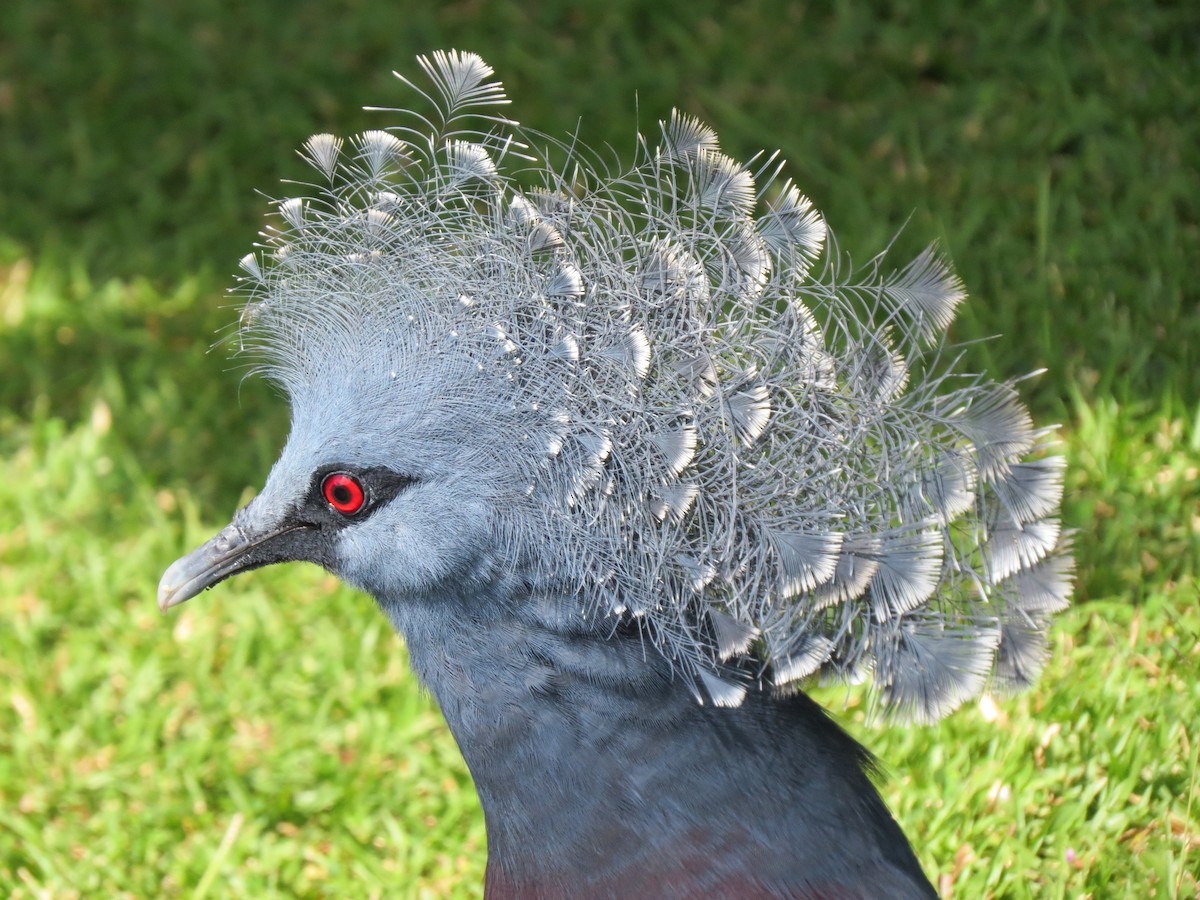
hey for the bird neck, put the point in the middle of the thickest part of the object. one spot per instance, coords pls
(600, 774)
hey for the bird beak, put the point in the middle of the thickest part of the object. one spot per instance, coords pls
(231, 550)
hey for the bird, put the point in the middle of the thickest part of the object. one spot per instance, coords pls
(630, 455)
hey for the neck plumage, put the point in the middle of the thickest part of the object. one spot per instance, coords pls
(601, 775)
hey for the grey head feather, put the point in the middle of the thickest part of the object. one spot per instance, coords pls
(657, 405)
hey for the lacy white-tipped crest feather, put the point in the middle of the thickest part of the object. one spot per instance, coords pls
(775, 474)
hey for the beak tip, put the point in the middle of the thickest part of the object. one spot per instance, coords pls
(166, 596)
(176, 585)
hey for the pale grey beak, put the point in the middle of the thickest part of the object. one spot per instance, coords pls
(231, 550)
(212, 561)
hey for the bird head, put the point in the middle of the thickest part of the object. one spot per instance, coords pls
(378, 482)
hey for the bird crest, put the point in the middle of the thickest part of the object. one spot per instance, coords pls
(689, 417)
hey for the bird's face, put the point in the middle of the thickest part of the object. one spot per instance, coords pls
(398, 529)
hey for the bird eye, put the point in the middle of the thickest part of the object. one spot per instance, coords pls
(344, 493)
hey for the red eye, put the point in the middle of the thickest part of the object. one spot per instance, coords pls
(344, 493)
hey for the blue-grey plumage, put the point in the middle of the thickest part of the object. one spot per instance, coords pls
(623, 459)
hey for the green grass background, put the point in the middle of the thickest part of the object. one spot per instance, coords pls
(267, 739)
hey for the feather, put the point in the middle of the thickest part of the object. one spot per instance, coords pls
(321, 151)
(686, 136)
(674, 500)
(804, 560)
(927, 290)
(856, 566)
(1042, 588)
(928, 669)
(468, 161)
(733, 636)
(792, 222)
(751, 410)
(721, 691)
(677, 446)
(1031, 490)
(380, 151)
(292, 211)
(567, 281)
(1012, 548)
(723, 184)
(910, 567)
(947, 488)
(632, 351)
(1020, 656)
(460, 80)
(806, 655)
(999, 426)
